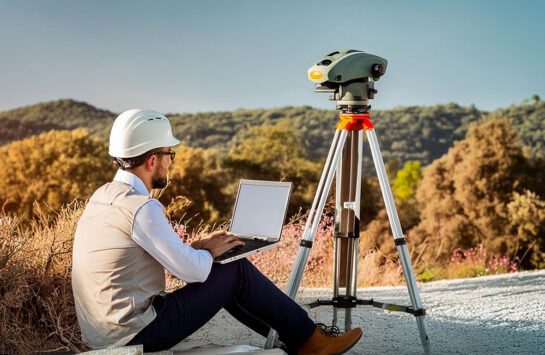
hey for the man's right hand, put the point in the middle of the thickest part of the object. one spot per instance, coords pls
(219, 242)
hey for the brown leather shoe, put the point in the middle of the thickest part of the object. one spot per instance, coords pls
(322, 344)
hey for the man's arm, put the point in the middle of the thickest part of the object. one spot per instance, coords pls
(154, 234)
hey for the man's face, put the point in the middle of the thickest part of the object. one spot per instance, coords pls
(159, 179)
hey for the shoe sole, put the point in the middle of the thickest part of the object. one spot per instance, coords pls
(351, 346)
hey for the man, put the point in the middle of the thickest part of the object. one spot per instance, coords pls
(124, 242)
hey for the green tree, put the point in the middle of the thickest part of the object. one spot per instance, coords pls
(276, 152)
(407, 180)
(52, 168)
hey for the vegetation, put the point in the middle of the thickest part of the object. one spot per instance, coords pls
(464, 196)
(52, 168)
(55, 115)
(36, 302)
(407, 180)
(405, 134)
(275, 153)
(196, 191)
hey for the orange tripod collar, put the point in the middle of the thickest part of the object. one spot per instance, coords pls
(354, 122)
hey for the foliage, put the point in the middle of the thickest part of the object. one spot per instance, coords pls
(195, 192)
(527, 218)
(378, 233)
(529, 122)
(275, 153)
(405, 133)
(65, 114)
(464, 195)
(53, 168)
(407, 180)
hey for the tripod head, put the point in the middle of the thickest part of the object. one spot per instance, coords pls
(349, 75)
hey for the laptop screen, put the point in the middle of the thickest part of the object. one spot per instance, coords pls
(261, 208)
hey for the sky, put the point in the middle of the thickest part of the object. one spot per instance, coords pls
(194, 56)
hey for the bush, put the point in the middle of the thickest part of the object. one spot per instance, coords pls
(277, 263)
(52, 169)
(464, 195)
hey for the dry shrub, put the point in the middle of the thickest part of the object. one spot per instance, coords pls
(276, 263)
(374, 268)
(464, 195)
(36, 301)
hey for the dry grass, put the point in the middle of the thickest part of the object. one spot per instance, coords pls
(36, 303)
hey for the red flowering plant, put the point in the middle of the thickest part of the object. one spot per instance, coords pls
(477, 262)
(277, 263)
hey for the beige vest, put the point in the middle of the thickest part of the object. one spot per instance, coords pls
(113, 278)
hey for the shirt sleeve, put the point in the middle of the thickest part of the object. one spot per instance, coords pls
(154, 234)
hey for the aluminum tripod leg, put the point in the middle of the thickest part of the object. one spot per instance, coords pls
(398, 237)
(313, 220)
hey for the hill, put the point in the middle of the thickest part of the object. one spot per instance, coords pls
(65, 114)
(405, 133)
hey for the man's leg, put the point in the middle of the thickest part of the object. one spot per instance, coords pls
(189, 308)
(248, 319)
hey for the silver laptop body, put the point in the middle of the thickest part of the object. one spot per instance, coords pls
(258, 217)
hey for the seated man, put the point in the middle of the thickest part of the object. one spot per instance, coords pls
(124, 242)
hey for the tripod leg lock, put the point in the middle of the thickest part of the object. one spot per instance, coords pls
(400, 241)
(306, 243)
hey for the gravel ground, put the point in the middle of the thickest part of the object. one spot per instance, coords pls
(485, 315)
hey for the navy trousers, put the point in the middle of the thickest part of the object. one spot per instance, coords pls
(239, 288)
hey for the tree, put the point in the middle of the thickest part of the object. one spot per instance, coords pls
(52, 168)
(407, 180)
(464, 195)
(276, 152)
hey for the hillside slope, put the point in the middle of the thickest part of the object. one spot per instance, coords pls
(405, 133)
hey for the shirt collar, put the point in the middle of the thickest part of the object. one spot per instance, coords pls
(133, 180)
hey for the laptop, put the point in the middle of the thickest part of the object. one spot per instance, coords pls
(258, 217)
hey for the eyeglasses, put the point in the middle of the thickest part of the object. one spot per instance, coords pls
(171, 153)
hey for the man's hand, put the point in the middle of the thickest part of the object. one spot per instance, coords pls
(217, 243)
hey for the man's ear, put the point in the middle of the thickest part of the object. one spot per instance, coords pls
(150, 162)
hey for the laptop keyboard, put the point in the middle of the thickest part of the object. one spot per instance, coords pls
(250, 245)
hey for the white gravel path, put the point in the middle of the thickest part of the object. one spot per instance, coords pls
(501, 314)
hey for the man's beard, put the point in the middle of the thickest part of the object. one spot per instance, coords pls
(158, 181)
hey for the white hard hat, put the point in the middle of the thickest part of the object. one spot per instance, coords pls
(137, 131)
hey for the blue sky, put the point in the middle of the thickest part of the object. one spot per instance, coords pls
(189, 56)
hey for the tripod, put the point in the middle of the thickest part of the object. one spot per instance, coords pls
(345, 160)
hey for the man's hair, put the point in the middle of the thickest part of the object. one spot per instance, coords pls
(134, 162)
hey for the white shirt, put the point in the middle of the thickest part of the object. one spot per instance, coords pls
(152, 231)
